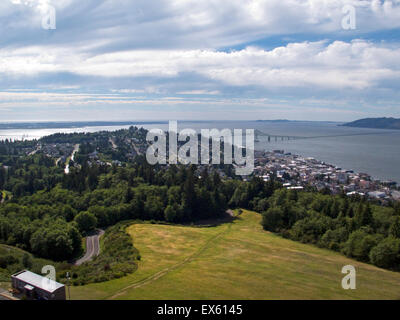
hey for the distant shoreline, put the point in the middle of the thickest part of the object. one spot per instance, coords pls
(70, 125)
(79, 124)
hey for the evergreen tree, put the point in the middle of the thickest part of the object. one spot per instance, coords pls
(394, 229)
(363, 215)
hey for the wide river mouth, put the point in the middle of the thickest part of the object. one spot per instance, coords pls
(372, 151)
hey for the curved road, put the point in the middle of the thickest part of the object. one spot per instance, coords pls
(76, 149)
(92, 247)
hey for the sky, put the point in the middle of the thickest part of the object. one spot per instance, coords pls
(74, 60)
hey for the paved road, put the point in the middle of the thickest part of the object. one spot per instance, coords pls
(5, 296)
(92, 247)
(136, 148)
(76, 149)
(2, 291)
(230, 212)
(112, 141)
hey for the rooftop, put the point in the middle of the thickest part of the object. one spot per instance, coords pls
(38, 281)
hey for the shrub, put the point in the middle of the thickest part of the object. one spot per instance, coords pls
(7, 260)
(360, 244)
(27, 261)
(333, 239)
(272, 219)
(386, 254)
(86, 221)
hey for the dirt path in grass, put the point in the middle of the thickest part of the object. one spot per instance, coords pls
(210, 242)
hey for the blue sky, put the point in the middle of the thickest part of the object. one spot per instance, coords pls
(199, 60)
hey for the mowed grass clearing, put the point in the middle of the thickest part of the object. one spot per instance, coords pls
(237, 260)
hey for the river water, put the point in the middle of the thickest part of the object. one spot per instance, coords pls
(373, 151)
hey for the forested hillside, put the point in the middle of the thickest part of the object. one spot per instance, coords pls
(353, 226)
(47, 210)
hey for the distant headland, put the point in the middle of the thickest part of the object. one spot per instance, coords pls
(376, 123)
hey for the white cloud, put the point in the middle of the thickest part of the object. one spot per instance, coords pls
(338, 65)
(199, 92)
(161, 48)
(146, 90)
(162, 24)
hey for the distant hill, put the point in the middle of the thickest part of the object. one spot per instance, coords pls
(71, 125)
(277, 120)
(377, 123)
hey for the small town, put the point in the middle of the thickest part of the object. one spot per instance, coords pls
(294, 171)
(298, 172)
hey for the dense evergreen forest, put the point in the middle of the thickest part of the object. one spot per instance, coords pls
(353, 226)
(46, 211)
(113, 194)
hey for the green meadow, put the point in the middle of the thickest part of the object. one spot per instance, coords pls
(237, 260)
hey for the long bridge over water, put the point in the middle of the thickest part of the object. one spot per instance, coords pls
(272, 137)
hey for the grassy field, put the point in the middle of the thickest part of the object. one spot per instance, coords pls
(237, 260)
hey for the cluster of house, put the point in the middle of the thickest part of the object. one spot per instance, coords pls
(297, 172)
(138, 147)
(60, 151)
